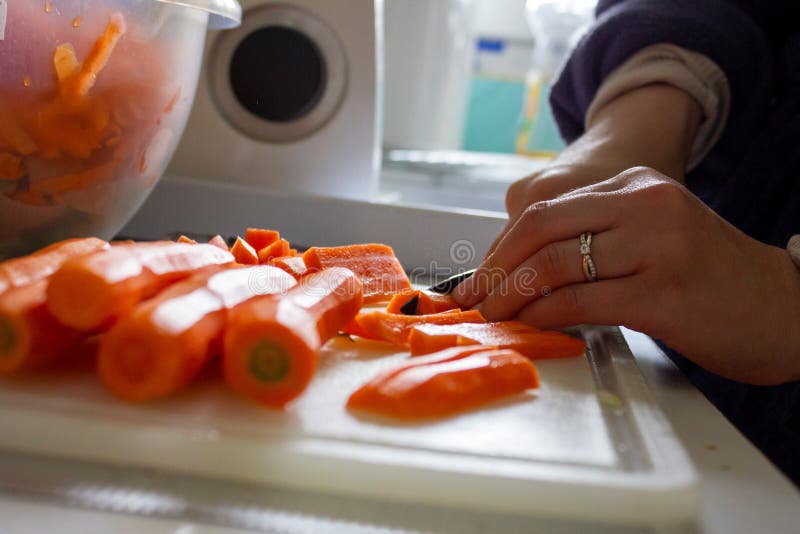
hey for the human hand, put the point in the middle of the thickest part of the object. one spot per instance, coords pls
(668, 266)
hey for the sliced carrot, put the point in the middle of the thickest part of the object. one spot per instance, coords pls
(277, 249)
(293, 265)
(427, 302)
(376, 265)
(26, 270)
(13, 134)
(83, 81)
(529, 341)
(166, 341)
(218, 242)
(11, 167)
(30, 337)
(92, 291)
(187, 240)
(450, 384)
(293, 252)
(75, 181)
(65, 62)
(271, 343)
(244, 253)
(260, 238)
(395, 328)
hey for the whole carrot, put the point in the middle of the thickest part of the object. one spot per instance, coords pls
(30, 337)
(271, 343)
(165, 342)
(18, 272)
(92, 291)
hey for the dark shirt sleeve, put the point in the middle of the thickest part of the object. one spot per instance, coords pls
(733, 34)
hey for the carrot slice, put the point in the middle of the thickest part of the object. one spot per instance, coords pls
(188, 240)
(277, 249)
(218, 242)
(376, 265)
(83, 81)
(66, 63)
(26, 270)
(427, 302)
(92, 291)
(271, 344)
(260, 238)
(293, 265)
(395, 328)
(244, 253)
(166, 341)
(529, 341)
(450, 384)
(30, 337)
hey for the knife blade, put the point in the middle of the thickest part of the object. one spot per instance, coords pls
(445, 287)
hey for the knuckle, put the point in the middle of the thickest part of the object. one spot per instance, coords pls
(552, 259)
(571, 301)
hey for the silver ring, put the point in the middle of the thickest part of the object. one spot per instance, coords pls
(589, 269)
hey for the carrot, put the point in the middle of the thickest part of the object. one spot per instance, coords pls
(187, 240)
(66, 63)
(30, 337)
(529, 341)
(376, 265)
(244, 252)
(92, 291)
(260, 238)
(450, 384)
(271, 344)
(395, 328)
(427, 303)
(79, 85)
(10, 167)
(26, 270)
(276, 250)
(75, 181)
(13, 134)
(218, 242)
(166, 341)
(291, 264)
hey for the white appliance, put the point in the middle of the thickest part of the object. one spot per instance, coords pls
(290, 101)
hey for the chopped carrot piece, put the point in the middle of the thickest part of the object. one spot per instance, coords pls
(94, 290)
(166, 341)
(26, 270)
(448, 384)
(427, 302)
(293, 252)
(11, 167)
(376, 265)
(400, 299)
(395, 328)
(30, 337)
(187, 240)
(529, 341)
(218, 242)
(291, 264)
(260, 238)
(244, 253)
(74, 181)
(65, 62)
(277, 249)
(271, 343)
(83, 81)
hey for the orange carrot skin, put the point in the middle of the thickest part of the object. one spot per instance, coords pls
(446, 388)
(395, 328)
(380, 271)
(166, 341)
(260, 238)
(244, 253)
(30, 337)
(94, 290)
(529, 341)
(271, 343)
(41, 264)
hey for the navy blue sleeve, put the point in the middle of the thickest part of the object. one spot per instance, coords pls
(734, 34)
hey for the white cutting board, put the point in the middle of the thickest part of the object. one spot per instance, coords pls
(589, 444)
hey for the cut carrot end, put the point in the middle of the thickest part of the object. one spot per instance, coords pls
(268, 362)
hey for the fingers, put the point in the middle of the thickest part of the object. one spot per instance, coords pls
(556, 265)
(621, 301)
(543, 223)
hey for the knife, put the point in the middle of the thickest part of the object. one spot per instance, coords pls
(445, 287)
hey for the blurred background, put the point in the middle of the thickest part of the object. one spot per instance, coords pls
(466, 90)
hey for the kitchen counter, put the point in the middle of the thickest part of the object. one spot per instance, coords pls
(741, 491)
